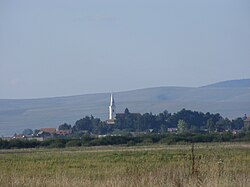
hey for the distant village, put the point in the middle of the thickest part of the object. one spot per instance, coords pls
(136, 124)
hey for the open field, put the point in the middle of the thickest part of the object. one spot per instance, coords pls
(225, 165)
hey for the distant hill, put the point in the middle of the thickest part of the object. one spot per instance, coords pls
(230, 99)
(242, 83)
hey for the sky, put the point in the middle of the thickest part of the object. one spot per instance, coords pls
(52, 48)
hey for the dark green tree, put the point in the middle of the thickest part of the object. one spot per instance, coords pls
(64, 126)
(83, 124)
(210, 125)
(237, 124)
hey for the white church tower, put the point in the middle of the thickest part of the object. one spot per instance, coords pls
(112, 108)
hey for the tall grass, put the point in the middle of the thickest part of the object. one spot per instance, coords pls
(226, 165)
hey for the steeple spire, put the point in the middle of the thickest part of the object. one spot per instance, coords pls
(112, 101)
(112, 108)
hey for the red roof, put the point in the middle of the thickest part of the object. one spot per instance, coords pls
(63, 132)
(49, 130)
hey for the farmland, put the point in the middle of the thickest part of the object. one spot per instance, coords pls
(213, 164)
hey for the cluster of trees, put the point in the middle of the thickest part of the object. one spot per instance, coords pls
(87, 140)
(91, 125)
(192, 127)
(184, 120)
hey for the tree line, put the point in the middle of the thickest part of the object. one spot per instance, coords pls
(184, 121)
(140, 129)
(146, 139)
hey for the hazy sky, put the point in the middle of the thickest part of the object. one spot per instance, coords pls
(67, 47)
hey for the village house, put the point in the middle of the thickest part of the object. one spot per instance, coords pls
(35, 138)
(19, 136)
(27, 137)
(48, 130)
(172, 129)
(64, 132)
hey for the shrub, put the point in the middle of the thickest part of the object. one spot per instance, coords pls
(73, 143)
(57, 143)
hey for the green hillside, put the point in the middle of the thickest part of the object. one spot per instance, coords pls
(15, 115)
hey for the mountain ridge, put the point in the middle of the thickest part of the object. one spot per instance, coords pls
(239, 83)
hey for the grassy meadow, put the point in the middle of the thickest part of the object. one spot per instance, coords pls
(222, 165)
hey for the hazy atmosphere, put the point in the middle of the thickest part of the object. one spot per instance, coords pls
(55, 48)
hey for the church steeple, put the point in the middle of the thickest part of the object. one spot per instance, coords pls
(112, 108)
(112, 101)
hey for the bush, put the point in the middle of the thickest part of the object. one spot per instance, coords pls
(147, 140)
(73, 143)
(130, 143)
(57, 143)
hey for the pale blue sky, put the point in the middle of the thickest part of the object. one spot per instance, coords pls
(68, 47)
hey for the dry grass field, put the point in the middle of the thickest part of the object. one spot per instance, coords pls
(221, 165)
